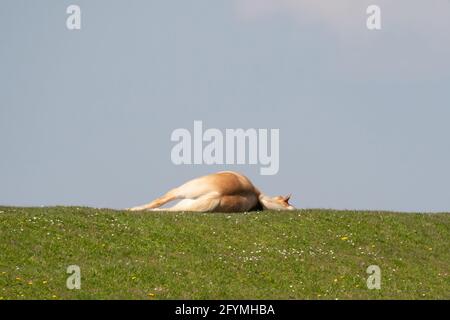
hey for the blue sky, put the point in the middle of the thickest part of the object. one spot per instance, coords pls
(86, 116)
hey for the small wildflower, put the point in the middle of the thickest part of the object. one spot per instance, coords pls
(150, 294)
(344, 238)
(30, 282)
(44, 282)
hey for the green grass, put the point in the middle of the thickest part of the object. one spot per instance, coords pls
(305, 254)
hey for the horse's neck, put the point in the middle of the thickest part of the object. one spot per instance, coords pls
(265, 202)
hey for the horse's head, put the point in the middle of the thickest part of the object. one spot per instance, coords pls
(276, 203)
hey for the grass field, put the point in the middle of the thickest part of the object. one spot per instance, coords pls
(305, 254)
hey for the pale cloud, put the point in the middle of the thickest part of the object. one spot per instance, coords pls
(414, 40)
(330, 11)
(339, 12)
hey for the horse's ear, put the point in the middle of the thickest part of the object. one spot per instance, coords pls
(287, 197)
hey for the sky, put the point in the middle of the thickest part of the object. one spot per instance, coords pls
(86, 116)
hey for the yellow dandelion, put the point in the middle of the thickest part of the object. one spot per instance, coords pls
(54, 297)
(133, 278)
(344, 238)
(18, 278)
(335, 280)
(30, 282)
(44, 282)
(150, 294)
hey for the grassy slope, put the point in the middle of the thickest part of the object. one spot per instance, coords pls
(305, 254)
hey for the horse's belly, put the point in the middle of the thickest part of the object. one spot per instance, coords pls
(237, 203)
